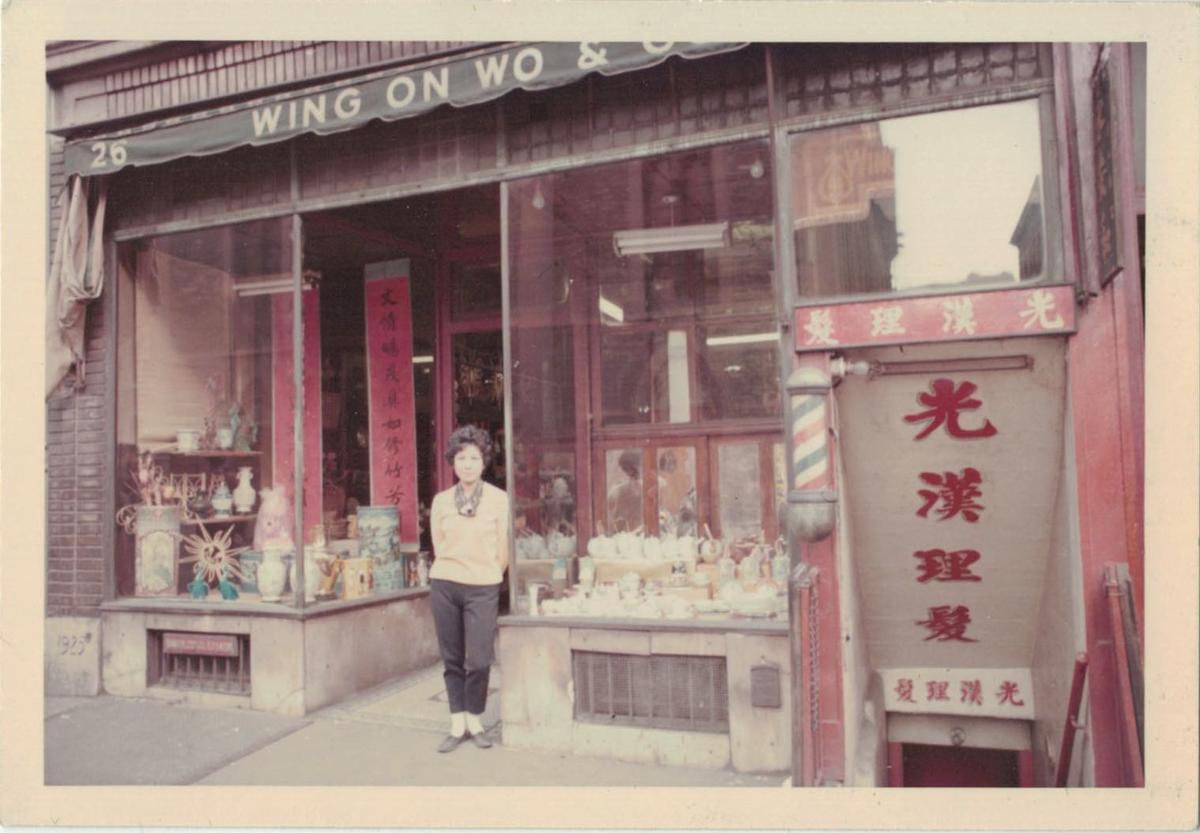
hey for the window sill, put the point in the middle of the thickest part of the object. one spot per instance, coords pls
(254, 607)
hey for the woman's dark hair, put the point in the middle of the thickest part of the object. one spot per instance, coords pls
(469, 435)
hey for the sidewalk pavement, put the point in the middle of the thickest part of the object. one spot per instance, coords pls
(386, 736)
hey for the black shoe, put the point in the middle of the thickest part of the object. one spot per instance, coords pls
(450, 743)
(481, 741)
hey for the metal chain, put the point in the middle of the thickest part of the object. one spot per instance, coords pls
(814, 660)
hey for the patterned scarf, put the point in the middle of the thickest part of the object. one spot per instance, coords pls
(467, 504)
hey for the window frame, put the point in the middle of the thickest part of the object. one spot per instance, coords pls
(1042, 92)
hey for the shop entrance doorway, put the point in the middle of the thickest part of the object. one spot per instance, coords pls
(958, 766)
(451, 243)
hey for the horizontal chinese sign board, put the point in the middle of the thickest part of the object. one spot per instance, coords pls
(979, 692)
(395, 94)
(205, 644)
(956, 317)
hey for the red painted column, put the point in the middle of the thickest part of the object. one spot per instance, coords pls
(1105, 390)
(831, 736)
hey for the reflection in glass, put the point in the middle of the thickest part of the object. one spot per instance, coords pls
(677, 490)
(739, 371)
(645, 377)
(740, 490)
(624, 499)
(953, 197)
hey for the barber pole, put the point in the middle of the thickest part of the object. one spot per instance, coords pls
(810, 449)
(812, 498)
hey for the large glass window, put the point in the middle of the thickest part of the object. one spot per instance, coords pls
(205, 420)
(920, 202)
(642, 342)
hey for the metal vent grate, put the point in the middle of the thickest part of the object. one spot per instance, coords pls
(662, 691)
(217, 662)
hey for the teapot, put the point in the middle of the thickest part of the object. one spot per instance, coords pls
(601, 546)
(629, 546)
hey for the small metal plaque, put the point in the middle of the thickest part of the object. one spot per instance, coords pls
(766, 687)
(205, 644)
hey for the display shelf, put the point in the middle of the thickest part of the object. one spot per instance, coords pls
(215, 519)
(210, 452)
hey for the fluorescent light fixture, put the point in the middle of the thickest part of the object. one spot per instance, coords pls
(610, 309)
(422, 359)
(746, 338)
(269, 286)
(643, 241)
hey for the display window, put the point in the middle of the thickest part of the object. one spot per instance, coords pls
(941, 200)
(206, 425)
(646, 414)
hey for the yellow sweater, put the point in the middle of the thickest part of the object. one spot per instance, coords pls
(470, 550)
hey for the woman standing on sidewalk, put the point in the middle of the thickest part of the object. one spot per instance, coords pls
(470, 528)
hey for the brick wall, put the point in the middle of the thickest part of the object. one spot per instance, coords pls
(78, 435)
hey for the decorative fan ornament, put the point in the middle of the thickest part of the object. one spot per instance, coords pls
(214, 556)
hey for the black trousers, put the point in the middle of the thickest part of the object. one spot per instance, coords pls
(465, 618)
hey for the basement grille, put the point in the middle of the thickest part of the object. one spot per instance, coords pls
(662, 691)
(215, 662)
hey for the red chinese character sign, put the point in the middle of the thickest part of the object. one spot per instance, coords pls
(393, 439)
(981, 692)
(283, 436)
(967, 316)
(952, 476)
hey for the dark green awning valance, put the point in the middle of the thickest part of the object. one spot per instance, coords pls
(396, 94)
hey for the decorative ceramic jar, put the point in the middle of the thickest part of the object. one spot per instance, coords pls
(272, 575)
(249, 562)
(312, 572)
(243, 493)
(187, 439)
(156, 566)
(225, 438)
(222, 500)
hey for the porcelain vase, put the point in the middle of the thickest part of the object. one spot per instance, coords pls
(243, 494)
(312, 573)
(271, 575)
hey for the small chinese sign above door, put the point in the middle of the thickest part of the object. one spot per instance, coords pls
(393, 437)
(979, 692)
(958, 317)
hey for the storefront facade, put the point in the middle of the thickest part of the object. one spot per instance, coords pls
(728, 310)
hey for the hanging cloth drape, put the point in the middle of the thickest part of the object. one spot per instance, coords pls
(76, 278)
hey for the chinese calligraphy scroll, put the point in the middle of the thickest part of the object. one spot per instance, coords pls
(393, 439)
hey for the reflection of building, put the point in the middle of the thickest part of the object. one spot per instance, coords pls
(1027, 235)
(594, 270)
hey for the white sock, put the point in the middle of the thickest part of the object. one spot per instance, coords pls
(458, 724)
(474, 724)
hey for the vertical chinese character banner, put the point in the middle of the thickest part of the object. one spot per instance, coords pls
(953, 478)
(393, 438)
(283, 438)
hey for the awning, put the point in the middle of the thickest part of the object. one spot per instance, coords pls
(395, 94)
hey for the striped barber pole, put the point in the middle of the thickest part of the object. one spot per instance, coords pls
(810, 448)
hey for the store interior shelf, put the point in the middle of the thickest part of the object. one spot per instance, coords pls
(215, 519)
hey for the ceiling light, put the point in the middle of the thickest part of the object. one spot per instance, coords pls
(671, 239)
(422, 359)
(269, 286)
(745, 338)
